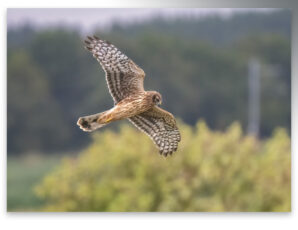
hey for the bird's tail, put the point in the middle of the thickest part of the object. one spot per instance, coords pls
(93, 122)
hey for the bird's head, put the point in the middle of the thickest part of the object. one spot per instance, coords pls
(156, 98)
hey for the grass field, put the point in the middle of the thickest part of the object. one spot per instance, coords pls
(23, 173)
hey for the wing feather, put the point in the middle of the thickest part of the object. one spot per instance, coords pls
(123, 76)
(161, 127)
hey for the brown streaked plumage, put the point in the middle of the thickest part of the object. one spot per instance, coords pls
(125, 82)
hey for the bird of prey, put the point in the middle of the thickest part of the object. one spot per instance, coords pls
(125, 82)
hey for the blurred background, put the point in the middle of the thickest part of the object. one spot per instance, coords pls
(224, 73)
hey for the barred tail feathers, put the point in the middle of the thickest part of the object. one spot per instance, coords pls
(93, 122)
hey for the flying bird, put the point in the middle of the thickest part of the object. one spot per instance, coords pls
(125, 82)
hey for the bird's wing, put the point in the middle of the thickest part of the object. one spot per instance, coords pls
(123, 76)
(161, 127)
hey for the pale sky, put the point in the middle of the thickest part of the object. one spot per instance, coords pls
(87, 19)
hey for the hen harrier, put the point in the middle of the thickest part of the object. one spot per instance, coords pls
(125, 82)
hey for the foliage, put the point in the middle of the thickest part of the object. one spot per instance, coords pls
(212, 171)
(31, 108)
(198, 65)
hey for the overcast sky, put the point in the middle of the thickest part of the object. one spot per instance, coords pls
(87, 19)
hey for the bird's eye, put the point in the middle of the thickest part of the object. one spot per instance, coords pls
(156, 99)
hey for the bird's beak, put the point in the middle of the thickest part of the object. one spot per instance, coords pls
(160, 102)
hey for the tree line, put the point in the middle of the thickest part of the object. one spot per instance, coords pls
(198, 65)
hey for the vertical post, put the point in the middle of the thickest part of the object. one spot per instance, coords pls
(253, 97)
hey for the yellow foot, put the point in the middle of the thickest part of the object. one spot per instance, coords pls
(109, 119)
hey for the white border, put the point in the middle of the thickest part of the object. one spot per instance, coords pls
(150, 220)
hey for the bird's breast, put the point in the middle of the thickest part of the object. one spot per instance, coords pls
(131, 106)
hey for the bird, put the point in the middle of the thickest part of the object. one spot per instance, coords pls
(142, 108)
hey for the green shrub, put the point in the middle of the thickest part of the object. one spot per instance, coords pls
(212, 171)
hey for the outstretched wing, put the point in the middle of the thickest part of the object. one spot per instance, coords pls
(161, 127)
(123, 76)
